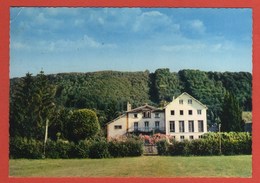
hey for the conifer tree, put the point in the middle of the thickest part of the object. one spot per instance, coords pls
(231, 116)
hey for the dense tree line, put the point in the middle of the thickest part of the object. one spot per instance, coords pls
(34, 100)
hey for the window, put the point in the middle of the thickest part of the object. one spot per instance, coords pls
(157, 115)
(135, 115)
(181, 112)
(181, 126)
(172, 112)
(191, 126)
(182, 137)
(200, 136)
(190, 112)
(135, 126)
(199, 112)
(172, 126)
(191, 137)
(117, 127)
(200, 126)
(146, 125)
(157, 125)
(189, 101)
(180, 101)
(146, 114)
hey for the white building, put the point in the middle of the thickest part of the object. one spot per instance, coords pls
(183, 118)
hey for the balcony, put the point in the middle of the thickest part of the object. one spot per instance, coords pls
(147, 130)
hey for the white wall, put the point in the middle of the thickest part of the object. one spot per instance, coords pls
(112, 132)
(176, 106)
(141, 120)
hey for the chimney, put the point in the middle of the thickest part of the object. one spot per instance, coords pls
(173, 98)
(128, 107)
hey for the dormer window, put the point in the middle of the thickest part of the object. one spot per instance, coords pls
(180, 101)
(147, 114)
(190, 101)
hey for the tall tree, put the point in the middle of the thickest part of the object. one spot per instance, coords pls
(21, 107)
(31, 105)
(231, 116)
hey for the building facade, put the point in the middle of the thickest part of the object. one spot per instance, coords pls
(183, 118)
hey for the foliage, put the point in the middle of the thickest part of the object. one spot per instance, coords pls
(59, 127)
(167, 85)
(83, 124)
(32, 104)
(59, 149)
(232, 143)
(22, 147)
(107, 92)
(162, 147)
(231, 116)
(99, 149)
(208, 91)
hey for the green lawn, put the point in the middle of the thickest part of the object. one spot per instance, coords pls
(145, 166)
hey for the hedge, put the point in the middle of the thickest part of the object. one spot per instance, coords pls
(97, 148)
(232, 143)
(25, 148)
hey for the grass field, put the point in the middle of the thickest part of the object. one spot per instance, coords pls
(145, 166)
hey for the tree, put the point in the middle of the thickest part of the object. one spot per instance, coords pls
(21, 106)
(32, 103)
(83, 124)
(231, 115)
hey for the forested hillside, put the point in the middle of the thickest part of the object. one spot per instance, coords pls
(107, 92)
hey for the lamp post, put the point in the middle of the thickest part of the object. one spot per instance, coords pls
(219, 130)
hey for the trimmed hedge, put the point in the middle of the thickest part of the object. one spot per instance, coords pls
(232, 143)
(98, 148)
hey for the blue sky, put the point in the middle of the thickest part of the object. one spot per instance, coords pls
(129, 39)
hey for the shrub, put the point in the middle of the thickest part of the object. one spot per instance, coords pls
(83, 124)
(134, 147)
(99, 149)
(127, 148)
(180, 148)
(162, 147)
(58, 149)
(231, 144)
(25, 148)
(81, 149)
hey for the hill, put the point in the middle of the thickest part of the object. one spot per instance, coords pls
(107, 92)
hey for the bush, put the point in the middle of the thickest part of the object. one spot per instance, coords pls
(162, 147)
(99, 149)
(25, 148)
(81, 150)
(127, 148)
(180, 148)
(83, 124)
(232, 143)
(58, 149)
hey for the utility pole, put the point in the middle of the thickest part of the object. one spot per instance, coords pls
(219, 130)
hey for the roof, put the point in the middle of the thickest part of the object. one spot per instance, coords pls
(185, 93)
(145, 107)
(116, 119)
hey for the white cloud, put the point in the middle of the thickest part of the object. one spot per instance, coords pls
(198, 26)
(184, 47)
(148, 21)
(62, 45)
(19, 46)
